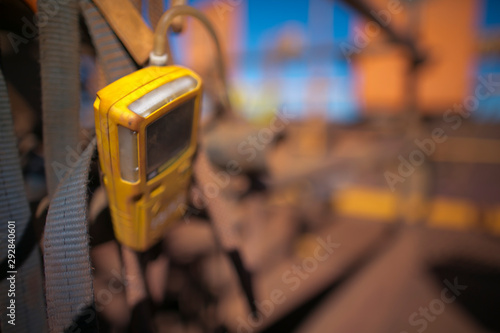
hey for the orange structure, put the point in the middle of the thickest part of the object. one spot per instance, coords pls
(446, 31)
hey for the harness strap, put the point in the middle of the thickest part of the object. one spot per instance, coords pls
(129, 26)
(68, 278)
(29, 302)
(68, 284)
(155, 11)
(60, 61)
(137, 4)
(111, 54)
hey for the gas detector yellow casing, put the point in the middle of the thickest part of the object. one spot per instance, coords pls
(146, 129)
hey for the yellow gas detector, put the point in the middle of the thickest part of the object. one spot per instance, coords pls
(146, 128)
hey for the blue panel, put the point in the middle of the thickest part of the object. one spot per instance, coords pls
(264, 15)
(342, 17)
(489, 109)
(491, 14)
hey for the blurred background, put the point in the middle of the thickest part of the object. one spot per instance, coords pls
(325, 58)
(360, 81)
(369, 193)
(391, 150)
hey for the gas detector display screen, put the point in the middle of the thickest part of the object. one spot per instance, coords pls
(168, 136)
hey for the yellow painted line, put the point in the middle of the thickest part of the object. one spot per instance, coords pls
(365, 203)
(453, 213)
(492, 220)
(442, 212)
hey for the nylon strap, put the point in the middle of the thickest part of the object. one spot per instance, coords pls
(68, 273)
(128, 25)
(60, 61)
(111, 54)
(155, 10)
(68, 278)
(29, 301)
(137, 4)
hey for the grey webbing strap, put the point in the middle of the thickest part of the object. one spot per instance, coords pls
(111, 54)
(68, 285)
(60, 61)
(155, 10)
(68, 278)
(137, 4)
(29, 302)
